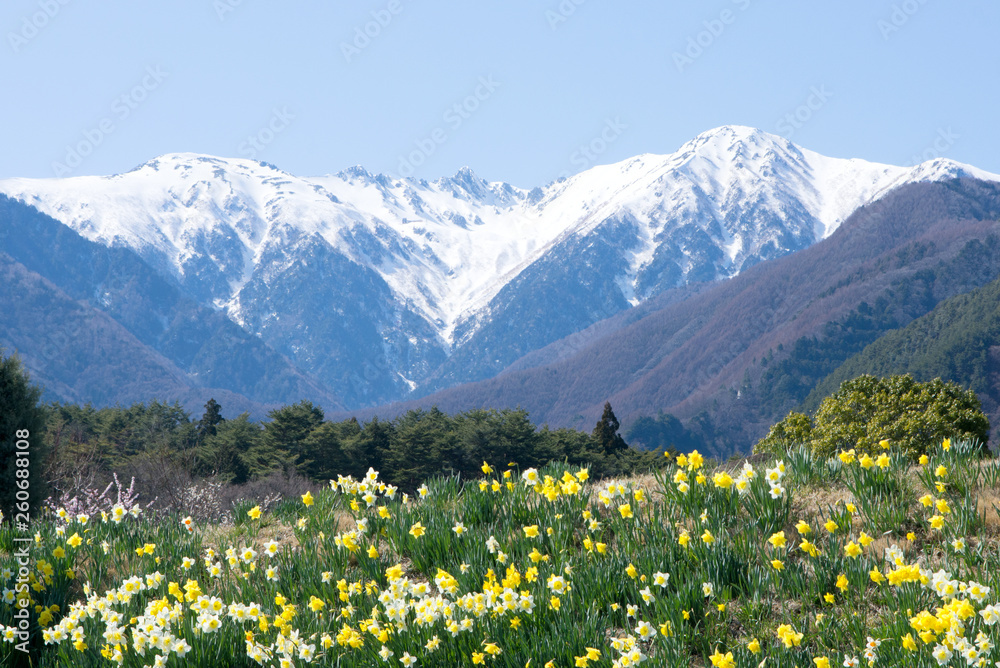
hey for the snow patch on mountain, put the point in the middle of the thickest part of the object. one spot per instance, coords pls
(447, 247)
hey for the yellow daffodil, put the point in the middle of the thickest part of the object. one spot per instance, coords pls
(695, 460)
(720, 660)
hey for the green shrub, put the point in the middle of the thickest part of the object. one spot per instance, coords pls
(866, 410)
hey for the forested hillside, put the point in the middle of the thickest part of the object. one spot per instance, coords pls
(958, 341)
(98, 324)
(731, 359)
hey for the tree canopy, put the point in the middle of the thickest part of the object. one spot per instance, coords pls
(866, 410)
(22, 421)
(160, 445)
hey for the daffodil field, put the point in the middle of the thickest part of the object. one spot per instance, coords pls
(861, 559)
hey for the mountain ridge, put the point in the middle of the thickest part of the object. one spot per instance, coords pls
(383, 288)
(181, 343)
(691, 355)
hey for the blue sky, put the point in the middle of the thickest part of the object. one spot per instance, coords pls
(520, 91)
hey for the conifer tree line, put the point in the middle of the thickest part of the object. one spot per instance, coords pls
(297, 438)
(164, 447)
(162, 444)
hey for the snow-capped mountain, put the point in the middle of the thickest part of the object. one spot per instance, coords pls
(380, 286)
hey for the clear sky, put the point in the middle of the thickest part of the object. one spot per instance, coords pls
(542, 87)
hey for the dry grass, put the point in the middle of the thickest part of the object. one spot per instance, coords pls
(815, 500)
(987, 505)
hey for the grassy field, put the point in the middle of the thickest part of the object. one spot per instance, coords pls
(858, 560)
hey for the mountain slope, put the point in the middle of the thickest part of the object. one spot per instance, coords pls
(383, 288)
(727, 200)
(81, 355)
(702, 356)
(203, 345)
(957, 341)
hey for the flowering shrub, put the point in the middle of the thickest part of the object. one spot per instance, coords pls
(90, 501)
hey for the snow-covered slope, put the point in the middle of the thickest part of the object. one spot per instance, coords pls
(448, 258)
(748, 193)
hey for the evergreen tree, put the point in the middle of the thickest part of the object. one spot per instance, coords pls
(209, 421)
(22, 427)
(323, 451)
(370, 446)
(424, 445)
(235, 453)
(499, 438)
(605, 434)
(576, 448)
(288, 430)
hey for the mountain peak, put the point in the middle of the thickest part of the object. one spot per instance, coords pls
(427, 277)
(945, 168)
(732, 196)
(355, 172)
(465, 179)
(733, 131)
(187, 161)
(731, 139)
